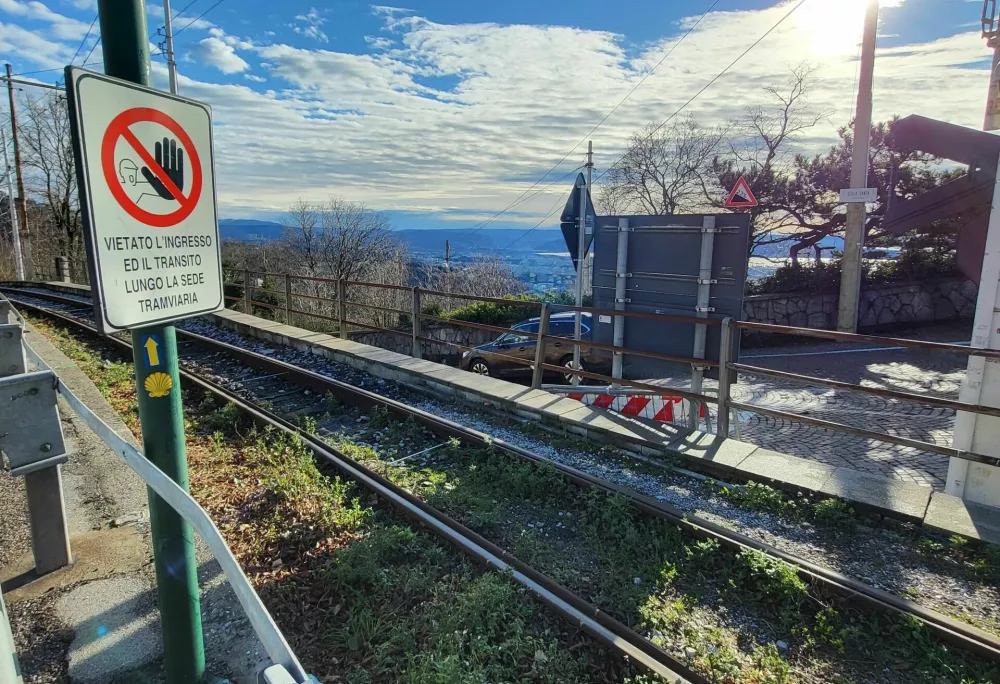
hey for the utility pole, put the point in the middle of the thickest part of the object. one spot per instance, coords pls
(126, 56)
(169, 42)
(21, 205)
(581, 258)
(14, 232)
(991, 121)
(854, 233)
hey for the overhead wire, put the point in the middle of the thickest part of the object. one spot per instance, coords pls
(712, 82)
(188, 25)
(555, 207)
(84, 41)
(521, 198)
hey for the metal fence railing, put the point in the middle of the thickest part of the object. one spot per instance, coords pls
(407, 313)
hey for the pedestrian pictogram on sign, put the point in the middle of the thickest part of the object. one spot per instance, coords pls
(162, 171)
(147, 189)
(741, 195)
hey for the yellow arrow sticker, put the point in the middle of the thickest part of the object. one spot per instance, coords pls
(152, 352)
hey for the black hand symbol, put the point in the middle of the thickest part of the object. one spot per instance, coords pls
(171, 160)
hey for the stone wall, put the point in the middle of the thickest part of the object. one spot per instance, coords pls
(468, 337)
(885, 306)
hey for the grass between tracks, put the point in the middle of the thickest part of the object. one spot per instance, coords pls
(740, 617)
(362, 596)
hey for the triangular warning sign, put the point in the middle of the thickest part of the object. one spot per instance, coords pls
(741, 196)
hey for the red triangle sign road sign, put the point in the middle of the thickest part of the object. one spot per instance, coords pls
(741, 196)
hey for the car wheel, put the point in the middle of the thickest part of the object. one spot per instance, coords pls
(567, 362)
(479, 367)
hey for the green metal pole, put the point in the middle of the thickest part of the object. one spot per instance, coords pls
(126, 56)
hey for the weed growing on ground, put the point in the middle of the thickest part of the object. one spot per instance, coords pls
(361, 597)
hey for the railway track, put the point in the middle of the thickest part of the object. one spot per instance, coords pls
(270, 391)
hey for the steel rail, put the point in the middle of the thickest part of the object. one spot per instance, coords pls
(574, 609)
(958, 634)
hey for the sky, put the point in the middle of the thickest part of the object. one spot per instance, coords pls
(442, 113)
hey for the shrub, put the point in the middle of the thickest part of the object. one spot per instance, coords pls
(910, 266)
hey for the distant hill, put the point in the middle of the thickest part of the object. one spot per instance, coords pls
(249, 230)
(465, 242)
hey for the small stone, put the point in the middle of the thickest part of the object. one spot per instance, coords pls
(782, 646)
(277, 563)
(689, 653)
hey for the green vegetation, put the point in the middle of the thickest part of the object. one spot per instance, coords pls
(505, 315)
(647, 572)
(361, 596)
(909, 267)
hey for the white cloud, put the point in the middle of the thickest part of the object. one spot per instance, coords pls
(41, 52)
(312, 20)
(217, 53)
(464, 117)
(379, 43)
(60, 26)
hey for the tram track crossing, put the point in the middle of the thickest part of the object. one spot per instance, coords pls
(280, 392)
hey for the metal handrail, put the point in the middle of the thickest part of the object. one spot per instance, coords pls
(382, 285)
(672, 318)
(377, 308)
(513, 359)
(869, 434)
(658, 389)
(470, 324)
(724, 398)
(586, 344)
(492, 300)
(876, 391)
(874, 339)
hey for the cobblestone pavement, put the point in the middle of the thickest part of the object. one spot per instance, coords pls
(916, 371)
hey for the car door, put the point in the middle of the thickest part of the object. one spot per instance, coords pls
(518, 345)
(555, 350)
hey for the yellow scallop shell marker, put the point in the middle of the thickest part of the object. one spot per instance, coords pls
(158, 384)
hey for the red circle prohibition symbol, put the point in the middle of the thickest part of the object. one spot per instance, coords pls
(119, 128)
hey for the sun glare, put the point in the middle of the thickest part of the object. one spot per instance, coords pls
(833, 27)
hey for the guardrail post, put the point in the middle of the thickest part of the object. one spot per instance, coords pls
(342, 307)
(47, 515)
(246, 292)
(416, 323)
(725, 354)
(538, 372)
(288, 297)
(62, 268)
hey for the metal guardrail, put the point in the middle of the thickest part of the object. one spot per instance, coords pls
(728, 327)
(267, 631)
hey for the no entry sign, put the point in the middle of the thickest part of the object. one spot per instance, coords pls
(147, 190)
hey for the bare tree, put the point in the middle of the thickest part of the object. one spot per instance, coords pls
(486, 276)
(664, 170)
(50, 177)
(761, 149)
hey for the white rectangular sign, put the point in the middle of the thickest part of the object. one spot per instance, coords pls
(147, 189)
(859, 195)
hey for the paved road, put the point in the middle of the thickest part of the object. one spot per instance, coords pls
(916, 371)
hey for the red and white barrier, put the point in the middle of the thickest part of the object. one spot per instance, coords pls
(666, 409)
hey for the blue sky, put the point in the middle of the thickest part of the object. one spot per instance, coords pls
(443, 113)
